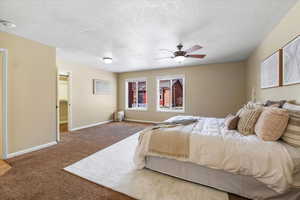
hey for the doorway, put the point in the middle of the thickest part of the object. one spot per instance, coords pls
(63, 103)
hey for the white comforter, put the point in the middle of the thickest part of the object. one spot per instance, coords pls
(215, 147)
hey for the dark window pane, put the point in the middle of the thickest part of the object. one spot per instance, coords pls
(164, 93)
(131, 94)
(142, 94)
(177, 94)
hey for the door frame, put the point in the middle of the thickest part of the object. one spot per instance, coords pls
(4, 103)
(69, 74)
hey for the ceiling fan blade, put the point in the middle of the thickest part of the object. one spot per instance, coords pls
(164, 58)
(193, 48)
(196, 56)
(168, 50)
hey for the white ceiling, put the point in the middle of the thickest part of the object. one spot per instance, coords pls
(133, 31)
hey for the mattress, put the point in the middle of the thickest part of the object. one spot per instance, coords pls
(245, 186)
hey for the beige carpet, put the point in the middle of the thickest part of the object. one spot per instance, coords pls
(113, 168)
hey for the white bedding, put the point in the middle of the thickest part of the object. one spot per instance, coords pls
(215, 147)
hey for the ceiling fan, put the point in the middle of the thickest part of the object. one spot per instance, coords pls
(180, 55)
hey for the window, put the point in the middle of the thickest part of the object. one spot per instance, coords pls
(170, 93)
(136, 94)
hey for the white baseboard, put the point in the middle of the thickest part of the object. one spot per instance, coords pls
(90, 125)
(18, 153)
(141, 121)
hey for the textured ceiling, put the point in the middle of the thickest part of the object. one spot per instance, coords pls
(133, 31)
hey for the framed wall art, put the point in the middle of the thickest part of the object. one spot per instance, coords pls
(101, 87)
(271, 70)
(291, 62)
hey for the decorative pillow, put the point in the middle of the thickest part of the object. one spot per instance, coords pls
(292, 133)
(250, 105)
(253, 105)
(271, 124)
(291, 106)
(248, 118)
(269, 103)
(231, 122)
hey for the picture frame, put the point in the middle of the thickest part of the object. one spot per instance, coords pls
(101, 87)
(291, 62)
(271, 71)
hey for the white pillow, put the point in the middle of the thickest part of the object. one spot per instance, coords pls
(289, 106)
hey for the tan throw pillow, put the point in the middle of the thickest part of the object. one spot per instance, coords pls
(271, 124)
(250, 105)
(231, 122)
(292, 133)
(248, 118)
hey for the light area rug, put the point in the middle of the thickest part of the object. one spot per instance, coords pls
(113, 167)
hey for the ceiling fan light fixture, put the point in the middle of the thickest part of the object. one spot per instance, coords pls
(180, 55)
(179, 58)
(107, 60)
(7, 24)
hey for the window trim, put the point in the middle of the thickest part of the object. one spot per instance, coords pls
(126, 93)
(169, 77)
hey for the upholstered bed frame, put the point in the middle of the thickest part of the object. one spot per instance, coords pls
(245, 186)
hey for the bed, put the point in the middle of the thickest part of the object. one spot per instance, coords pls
(278, 178)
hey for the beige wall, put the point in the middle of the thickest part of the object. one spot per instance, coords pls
(286, 30)
(88, 108)
(210, 90)
(31, 92)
